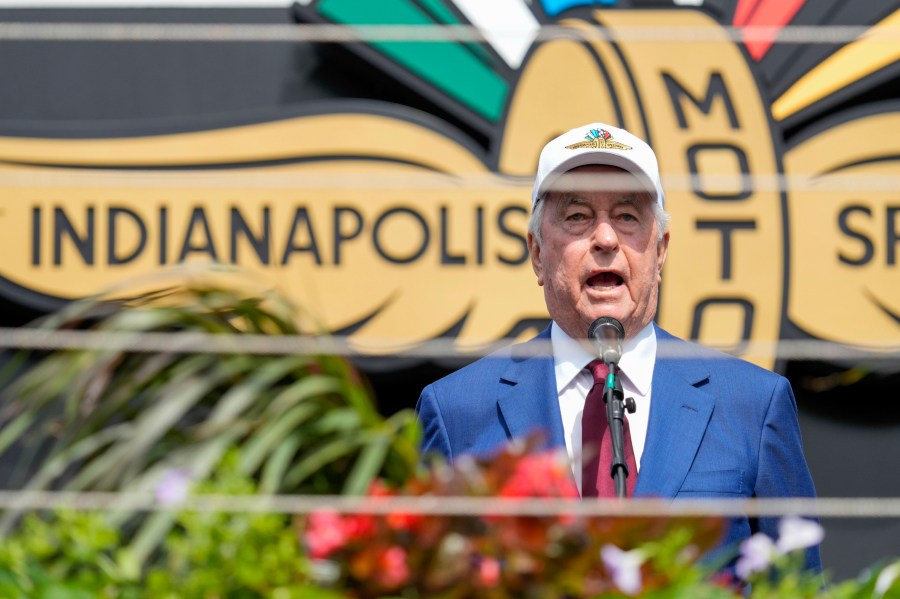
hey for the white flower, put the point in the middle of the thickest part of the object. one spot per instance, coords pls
(173, 487)
(756, 555)
(454, 544)
(798, 533)
(886, 579)
(624, 567)
(324, 571)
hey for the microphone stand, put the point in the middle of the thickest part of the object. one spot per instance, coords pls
(614, 397)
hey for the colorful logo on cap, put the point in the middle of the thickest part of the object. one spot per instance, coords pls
(598, 139)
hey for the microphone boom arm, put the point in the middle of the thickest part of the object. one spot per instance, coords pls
(614, 397)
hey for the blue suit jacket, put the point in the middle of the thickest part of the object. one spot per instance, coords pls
(719, 427)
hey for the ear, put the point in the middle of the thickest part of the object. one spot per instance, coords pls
(534, 250)
(662, 250)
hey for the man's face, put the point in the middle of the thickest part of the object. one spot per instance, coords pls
(600, 254)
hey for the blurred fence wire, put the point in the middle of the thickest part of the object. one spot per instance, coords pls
(135, 177)
(457, 506)
(330, 33)
(193, 342)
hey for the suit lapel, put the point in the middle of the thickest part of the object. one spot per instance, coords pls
(679, 414)
(527, 399)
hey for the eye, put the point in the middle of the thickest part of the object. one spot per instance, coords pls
(577, 214)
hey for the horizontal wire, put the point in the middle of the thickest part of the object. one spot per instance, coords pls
(332, 33)
(143, 4)
(872, 507)
(255, 344)
(98, 177)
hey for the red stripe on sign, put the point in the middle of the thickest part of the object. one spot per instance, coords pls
(765, 13)
(744, 11)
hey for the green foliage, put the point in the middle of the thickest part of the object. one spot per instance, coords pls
(70, 555)
(211, 554)
(221, 554)
(250, 555)
(501, 556)
(786, 578)
(118, 419)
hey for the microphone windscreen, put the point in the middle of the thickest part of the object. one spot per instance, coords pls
(606, 333)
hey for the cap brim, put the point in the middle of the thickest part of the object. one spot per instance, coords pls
(601, 159)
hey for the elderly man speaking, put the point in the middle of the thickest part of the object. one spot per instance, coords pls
(705, 424)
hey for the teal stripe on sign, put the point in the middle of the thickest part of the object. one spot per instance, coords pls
(449, 66)
(439, 11)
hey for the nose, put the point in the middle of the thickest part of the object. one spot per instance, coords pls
(605, 237)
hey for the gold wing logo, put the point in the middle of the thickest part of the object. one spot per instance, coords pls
(598, 139)
(395, 230)
(367, 222)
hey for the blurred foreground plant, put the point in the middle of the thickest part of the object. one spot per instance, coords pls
(207, 553)
(774, 567)
(563, 555)
(214, 553)
(505, 555)
(113, 419)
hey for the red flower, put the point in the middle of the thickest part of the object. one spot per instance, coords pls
(540, 475)
(395, 520)
(393, 571)
(325, 534)
(404, 521)
(327, 531)
(358, 526)
(379, 489)
(489, 572)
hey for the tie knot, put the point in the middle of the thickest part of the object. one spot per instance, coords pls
(599, 370)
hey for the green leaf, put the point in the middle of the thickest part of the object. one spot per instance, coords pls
(267, 438)
(319, 457)
(150, 534)
(12, 431)
(311, 592)
(57, 464)
(367, 465)
(337, 420)
(274, 472)
(153, 422)
(243, 394)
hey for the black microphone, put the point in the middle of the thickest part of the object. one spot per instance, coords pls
(607, 333)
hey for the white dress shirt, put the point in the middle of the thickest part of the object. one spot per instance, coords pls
(573, 381)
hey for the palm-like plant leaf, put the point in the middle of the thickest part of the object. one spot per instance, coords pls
(117, 419)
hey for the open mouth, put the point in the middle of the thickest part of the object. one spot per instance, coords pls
(605, 280)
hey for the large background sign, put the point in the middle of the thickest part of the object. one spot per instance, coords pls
(398, 227)
(384, 183)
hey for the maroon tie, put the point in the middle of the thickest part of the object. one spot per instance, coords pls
(596, 446)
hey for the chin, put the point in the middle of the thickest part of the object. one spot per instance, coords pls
(614, 310)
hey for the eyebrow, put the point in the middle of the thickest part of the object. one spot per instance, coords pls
(628, 199)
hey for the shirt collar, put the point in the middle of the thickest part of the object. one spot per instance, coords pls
(638, 357)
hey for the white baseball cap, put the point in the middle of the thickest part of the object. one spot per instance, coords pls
(597, 143)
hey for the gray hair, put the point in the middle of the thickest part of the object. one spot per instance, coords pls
(537, 216)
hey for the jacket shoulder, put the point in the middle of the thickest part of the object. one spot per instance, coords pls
(689, 355)
(460, 412)
(491, 367)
